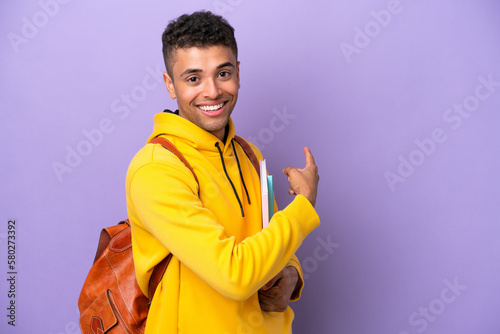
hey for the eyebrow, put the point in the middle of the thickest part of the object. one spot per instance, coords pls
(194, 70)
(228, 64)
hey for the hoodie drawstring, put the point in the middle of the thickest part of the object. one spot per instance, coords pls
(241, 174)
(229, 179)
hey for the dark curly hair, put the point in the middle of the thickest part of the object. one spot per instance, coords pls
(200, 29)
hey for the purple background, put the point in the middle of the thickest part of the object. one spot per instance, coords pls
(393, 251)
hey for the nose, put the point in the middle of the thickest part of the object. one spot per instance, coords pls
(211, 90)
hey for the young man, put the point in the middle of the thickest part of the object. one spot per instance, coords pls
(227, 275)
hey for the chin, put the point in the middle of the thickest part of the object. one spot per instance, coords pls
(216, 125)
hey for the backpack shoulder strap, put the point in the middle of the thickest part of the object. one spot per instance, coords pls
(104, 239)
(169, 146)
(157, 275)
(249, 152)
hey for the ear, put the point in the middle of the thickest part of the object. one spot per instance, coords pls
(170, 85)
(238, 73)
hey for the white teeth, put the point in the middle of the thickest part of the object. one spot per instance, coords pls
(211, 108)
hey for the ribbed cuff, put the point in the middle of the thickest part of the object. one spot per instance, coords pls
(303, 211)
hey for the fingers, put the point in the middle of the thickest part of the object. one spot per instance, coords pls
(300, 178)
(276, 298)
(270, 284)
(267, 286)
(289, 171)
(273, 300)
(309, 157)
(271, 304)
(309, 162)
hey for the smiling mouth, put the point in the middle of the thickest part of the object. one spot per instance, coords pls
(212, 108)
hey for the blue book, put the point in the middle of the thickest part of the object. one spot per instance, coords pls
(270, 195)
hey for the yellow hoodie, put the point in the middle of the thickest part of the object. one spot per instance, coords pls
(221, 258)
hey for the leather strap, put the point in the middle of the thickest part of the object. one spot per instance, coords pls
(169, 146)
(158, 271)
(157, 275)
(249, 152)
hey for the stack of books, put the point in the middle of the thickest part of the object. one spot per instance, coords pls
(267, 195)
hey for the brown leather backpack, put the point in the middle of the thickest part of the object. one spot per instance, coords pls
(111, 300)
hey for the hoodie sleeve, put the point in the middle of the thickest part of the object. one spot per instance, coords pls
(294, 261)
(163, 200)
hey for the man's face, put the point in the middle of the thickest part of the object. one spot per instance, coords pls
(205, 82)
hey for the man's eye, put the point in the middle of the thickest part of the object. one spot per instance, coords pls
(193, 79)
(224, 74)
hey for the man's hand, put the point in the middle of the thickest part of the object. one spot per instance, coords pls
(275, 294)
(304, 181)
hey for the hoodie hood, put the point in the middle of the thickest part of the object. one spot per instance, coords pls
(169, 122)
